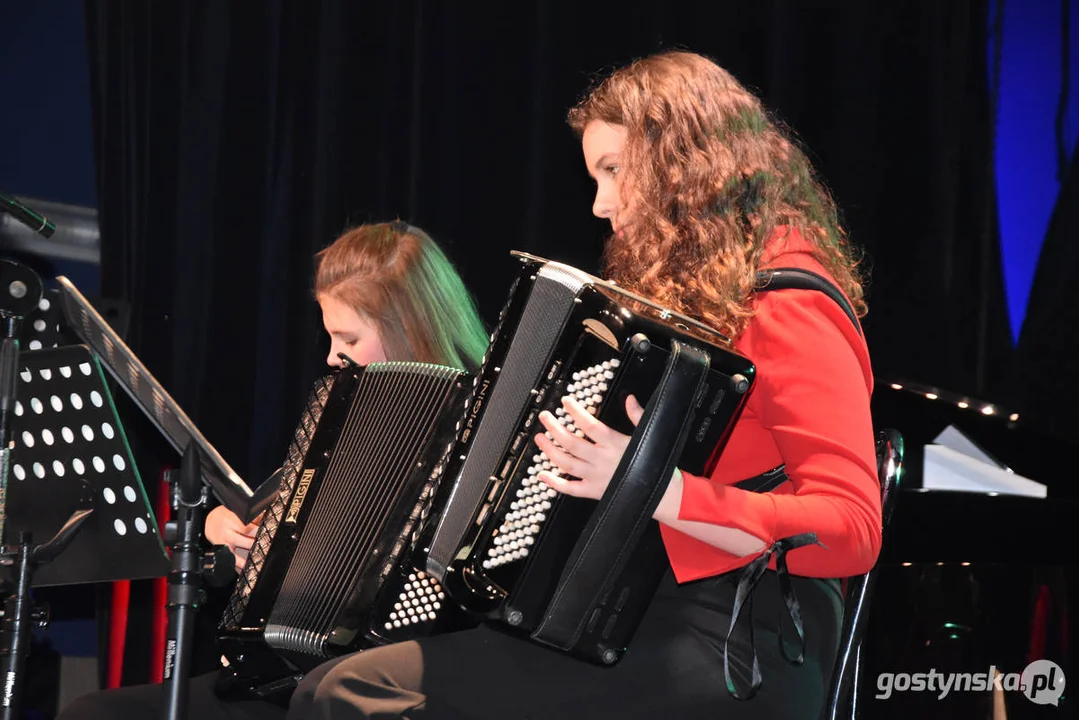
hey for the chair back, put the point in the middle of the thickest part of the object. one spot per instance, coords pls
(842, 699)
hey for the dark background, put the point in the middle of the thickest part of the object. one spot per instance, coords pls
(234, 142)
(223, 143)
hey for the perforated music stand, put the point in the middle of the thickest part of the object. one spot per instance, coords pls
(69, 452)
(203, 470)
(45, 327)
(155, 402)
(42, 328)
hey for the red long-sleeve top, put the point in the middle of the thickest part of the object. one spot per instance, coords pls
(810, 411)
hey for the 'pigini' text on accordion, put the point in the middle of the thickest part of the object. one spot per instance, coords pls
(574, 574)
(331, 569)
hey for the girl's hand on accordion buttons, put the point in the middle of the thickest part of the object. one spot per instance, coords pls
(224, 527)
(593, 458)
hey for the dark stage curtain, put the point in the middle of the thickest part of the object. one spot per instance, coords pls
(234, 139)
(1049, 344)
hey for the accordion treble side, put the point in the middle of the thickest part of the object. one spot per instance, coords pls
(509, 549)
(332, 566)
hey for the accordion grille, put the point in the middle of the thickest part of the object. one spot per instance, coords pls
(364, 490)
(297, 450)
(550, 301)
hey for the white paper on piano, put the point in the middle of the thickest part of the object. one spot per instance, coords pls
(953, 462)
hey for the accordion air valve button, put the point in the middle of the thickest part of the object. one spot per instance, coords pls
(739, 383)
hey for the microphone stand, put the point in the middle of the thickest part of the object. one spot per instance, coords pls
(184, 534)
(20, 292)
(38, 223)
(19, 610)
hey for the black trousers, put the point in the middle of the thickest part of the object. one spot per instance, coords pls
(674, 668)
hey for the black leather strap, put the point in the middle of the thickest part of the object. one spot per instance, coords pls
(263, 496)
(799, 279)
(766, 481)
(622, 514)
(751, 574)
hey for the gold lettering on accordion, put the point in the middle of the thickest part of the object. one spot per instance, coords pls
(299, 496)
(595, 327)
(474, 410)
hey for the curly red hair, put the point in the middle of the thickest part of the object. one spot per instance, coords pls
(711, 179)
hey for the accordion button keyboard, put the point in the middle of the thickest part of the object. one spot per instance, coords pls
(528, 511)
(419, 601)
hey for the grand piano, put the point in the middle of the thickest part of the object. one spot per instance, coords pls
(973, 580)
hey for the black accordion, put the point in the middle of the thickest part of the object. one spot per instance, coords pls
(574, 574)
(332, 566)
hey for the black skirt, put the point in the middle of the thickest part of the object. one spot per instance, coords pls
(674, 666)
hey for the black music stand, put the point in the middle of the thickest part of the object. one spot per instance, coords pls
(63, 460)
(70, 451)
(42, 328)
(71, 472)
(45, 327)
(154, 400)
(20, 292)
(202, 470)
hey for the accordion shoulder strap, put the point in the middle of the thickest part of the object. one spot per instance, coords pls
(787, 278)
(791, 278)
(750, 575)
(765, 482)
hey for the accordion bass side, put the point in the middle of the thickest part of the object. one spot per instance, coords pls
(571, 573)
(332, 566)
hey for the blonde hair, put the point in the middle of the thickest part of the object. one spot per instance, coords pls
(396, 276)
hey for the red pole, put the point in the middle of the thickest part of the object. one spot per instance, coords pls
(121, 597)
(160, 617)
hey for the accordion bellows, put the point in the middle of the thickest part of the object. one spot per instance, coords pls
(331, 567)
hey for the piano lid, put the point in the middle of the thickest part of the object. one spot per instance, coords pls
(988, 447)
(978, 430)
